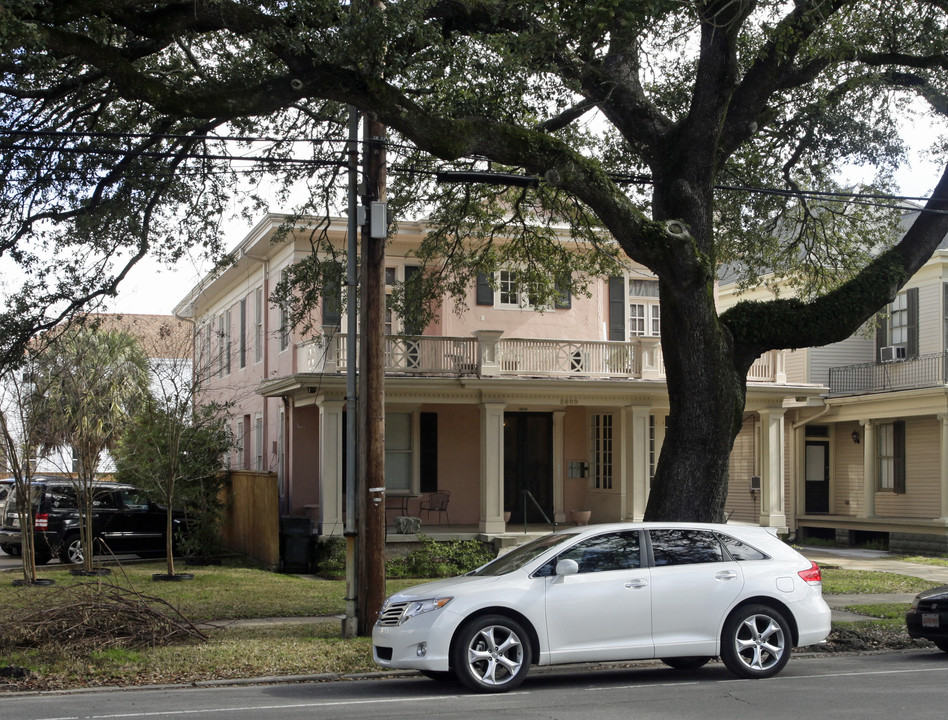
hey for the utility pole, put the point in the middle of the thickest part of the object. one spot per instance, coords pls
(350, 625)
(371, 580)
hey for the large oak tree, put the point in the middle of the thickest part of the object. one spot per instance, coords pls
(647, 123)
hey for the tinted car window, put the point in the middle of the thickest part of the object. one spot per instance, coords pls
(61, 497)
(740, 550)
(133, 499)
(614, 551)
(685, 547)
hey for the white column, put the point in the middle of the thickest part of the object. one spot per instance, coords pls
(330, 466)
(868, 469)
(636, 425)
(559, 425)
(943, 421)
(772, 477)
(492, 468)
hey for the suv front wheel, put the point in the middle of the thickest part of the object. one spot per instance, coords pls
(70, 552)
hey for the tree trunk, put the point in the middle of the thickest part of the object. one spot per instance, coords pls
(706, 399)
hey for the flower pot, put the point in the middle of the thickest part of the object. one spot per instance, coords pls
(580, 517)
(506, 516)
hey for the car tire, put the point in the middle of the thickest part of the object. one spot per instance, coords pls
(491, 654)
(8, 549)
(70, 552)
(756, 642)
(941, 644)
(687, 663)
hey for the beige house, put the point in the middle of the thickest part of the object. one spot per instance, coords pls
(869, 461)
(505, 408)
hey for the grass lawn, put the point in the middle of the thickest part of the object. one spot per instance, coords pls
(216, 592)
(239, 592)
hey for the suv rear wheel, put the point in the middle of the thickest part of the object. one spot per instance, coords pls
(70, 552)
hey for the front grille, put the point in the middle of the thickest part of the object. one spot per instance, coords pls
(391, 614)
(931, 605)
(384, 653)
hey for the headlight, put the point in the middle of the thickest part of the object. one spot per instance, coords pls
(420, 607)
(915, 603)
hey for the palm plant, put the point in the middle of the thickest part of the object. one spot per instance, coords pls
(94, 380)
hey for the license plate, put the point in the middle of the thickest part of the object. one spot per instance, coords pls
(16, 522)
(929, 620)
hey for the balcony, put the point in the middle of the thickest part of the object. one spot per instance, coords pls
(487, 354)
(922, 371)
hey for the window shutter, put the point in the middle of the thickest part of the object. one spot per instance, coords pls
(616, 308)
(882, 335)
(911, 343)
(564, 300)
(332, 299)
(414, 309)
(485, 293)
(898, 464)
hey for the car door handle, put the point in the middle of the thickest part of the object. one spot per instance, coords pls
(637, 583)
(725, 575)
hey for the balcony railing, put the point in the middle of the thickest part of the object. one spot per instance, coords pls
(923, 371)
(487, 354)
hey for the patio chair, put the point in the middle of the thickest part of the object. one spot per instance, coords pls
(437, 502)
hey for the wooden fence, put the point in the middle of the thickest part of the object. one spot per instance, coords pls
(252, 515)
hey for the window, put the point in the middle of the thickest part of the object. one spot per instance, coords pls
(228, 347)
(220, 346)
(239, 447)
(258, 443)
(644, 312)
(614, 551)
(284, 321)
(601, 448)
(898, 320)
(398, 452)
(739, 550)
(258, 324)
(509, 293)
(891, 446)
(242, 342)
(634, 309)
(897, 329)
(685, 547)
(207, 359)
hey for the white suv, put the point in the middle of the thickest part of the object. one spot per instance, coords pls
(683, 593)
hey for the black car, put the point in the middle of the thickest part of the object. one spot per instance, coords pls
(124, 520)
(928, 617)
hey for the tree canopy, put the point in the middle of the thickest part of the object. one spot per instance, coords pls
(650, 126)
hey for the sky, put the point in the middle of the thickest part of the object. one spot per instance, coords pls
(152, 288)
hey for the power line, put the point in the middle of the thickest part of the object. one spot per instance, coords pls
(469, 175)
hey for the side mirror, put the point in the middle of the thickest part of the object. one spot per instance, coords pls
(567, 567)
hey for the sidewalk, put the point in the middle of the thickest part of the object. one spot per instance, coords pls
(872, 560)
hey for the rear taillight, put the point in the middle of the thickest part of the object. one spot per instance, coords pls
(41, 521)
(811, 575)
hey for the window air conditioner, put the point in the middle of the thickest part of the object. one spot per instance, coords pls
(892, 353)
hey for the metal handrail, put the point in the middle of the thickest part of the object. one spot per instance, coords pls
(526, 494)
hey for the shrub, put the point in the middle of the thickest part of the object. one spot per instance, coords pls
(441, 559)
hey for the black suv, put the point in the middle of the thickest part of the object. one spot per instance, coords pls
(124, 520)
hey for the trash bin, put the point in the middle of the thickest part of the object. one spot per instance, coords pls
(296, 544)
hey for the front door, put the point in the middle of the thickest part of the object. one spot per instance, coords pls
(816, 476)
(528, 466)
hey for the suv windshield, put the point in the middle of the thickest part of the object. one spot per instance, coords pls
(520, 556)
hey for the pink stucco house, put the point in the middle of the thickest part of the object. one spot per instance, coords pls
(568, 404)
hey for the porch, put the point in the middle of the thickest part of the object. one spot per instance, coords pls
(923, 371)
(487, 354)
